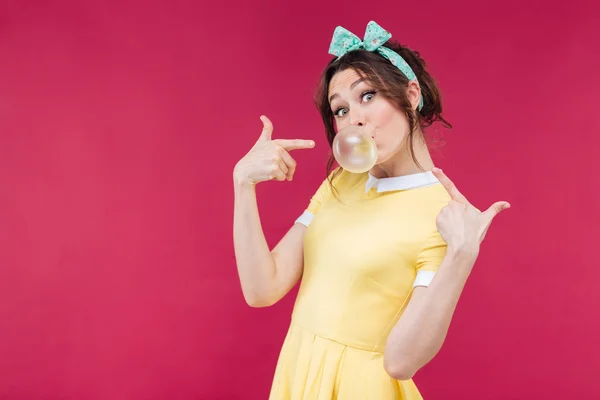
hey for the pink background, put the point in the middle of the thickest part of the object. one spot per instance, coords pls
(120, 124)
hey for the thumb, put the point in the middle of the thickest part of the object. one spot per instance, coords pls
(491, 212)
(267, 130)
(496, 209)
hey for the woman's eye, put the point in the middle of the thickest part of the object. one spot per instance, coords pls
(340, 112)
(368, 96)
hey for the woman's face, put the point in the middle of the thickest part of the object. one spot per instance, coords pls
(355, 102)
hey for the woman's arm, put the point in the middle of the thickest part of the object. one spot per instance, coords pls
(421, 330)
(266, 276)
(419, 334)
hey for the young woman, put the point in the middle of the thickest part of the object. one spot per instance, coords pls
(382, 256)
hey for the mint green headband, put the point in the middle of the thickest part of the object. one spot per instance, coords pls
(344, 41)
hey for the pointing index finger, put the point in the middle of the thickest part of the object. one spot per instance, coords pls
(295, 144)
(452, 190)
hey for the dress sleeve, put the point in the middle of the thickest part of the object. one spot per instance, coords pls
(429, 259)
(320, 196)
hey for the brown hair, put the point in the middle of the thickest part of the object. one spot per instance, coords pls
(389, 82)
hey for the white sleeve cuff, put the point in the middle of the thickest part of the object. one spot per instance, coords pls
(306, 218)
(424, 278)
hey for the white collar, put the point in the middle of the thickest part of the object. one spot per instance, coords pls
(401, 182)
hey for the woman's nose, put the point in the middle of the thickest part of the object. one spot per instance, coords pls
(356, 118)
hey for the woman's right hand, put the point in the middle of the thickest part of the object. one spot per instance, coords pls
(269, 159)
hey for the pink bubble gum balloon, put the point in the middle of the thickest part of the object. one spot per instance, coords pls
(354, 149)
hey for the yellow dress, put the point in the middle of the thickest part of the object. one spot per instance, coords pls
(362, 258)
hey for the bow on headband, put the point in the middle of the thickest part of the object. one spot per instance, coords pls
(344, 41)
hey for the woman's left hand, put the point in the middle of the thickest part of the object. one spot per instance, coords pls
(461, 225)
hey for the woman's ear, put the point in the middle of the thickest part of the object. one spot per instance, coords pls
(414, 94)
